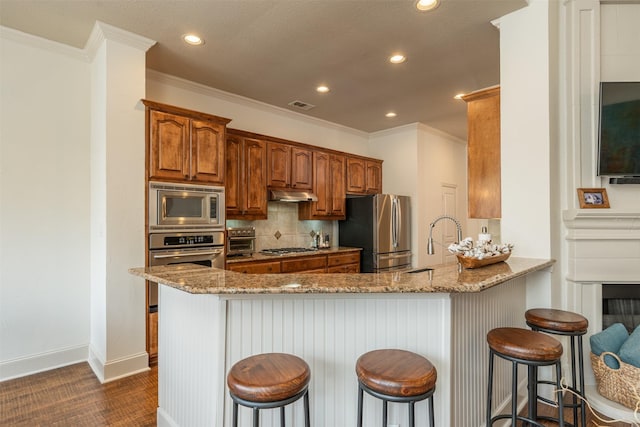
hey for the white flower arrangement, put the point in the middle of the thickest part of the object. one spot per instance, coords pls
(482, 249)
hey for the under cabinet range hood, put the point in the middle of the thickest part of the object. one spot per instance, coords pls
(291, 196)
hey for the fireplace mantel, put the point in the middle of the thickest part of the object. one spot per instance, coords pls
(603, 245)
(606, 219)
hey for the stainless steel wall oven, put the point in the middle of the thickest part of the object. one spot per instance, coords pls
(186, 225)
(204, 248)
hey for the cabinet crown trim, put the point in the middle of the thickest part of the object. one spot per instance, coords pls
(198, 115)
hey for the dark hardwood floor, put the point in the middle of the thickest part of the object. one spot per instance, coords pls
(72, 396)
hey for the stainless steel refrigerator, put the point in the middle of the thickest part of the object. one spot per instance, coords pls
(381, 225)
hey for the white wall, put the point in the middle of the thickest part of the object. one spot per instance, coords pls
(44, 205)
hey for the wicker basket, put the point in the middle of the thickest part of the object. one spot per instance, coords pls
(619, 385)
(468, 262)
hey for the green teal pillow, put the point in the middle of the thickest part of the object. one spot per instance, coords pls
(611, 339)
(630, 350)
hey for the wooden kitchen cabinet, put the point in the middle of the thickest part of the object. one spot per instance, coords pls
(364, 176)
(483, 153)
(289, 166)
(246, 177)
(344, 262)
(373, 176)
(255, 267)
(185, 145)
(306, 264)
(328, 186)
(152, 334)
(339, 262)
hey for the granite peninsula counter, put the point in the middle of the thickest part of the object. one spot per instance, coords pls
(209, 319)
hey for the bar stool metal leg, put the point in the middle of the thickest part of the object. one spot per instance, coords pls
(256, 417)
(234, 421)
(360, 397)
(412, 421)
(384, 413)
(307, 417)
(489, 389)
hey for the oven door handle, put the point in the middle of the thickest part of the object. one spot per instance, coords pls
(216, 252)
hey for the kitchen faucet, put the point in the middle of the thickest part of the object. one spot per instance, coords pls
(430, 250)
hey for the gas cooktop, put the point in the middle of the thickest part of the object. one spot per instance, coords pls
(285, 251)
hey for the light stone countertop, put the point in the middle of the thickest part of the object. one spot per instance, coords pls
(198, 279)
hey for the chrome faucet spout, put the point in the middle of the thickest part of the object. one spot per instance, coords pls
(430, 248)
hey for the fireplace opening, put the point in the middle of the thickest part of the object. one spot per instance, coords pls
(621, 304)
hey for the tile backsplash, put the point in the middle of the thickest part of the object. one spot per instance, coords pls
(283, 229)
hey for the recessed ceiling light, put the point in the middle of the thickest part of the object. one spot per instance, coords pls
(192, 39)
(397, 59)
(390, 114)
(459, 96)
(322, 89)
(424, 5)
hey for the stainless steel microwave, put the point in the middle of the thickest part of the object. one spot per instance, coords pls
(180, 206)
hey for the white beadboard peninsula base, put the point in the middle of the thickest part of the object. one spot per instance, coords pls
(201, 336)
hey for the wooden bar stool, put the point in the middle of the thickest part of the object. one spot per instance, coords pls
(396, 376)
(529, 348)
(573, 325)
(270, 380)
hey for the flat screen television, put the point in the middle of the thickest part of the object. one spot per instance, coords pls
(619, 136)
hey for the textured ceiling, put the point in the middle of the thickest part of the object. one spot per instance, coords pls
(279, 51)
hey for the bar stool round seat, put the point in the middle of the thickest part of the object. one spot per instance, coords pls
(269, 380)
(396, 376)
(529, 348)
(573, 325)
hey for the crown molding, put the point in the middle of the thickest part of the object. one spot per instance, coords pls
(102, 32)
(252, 103)
(42, 43)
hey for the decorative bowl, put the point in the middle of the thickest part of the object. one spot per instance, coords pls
(468, 262)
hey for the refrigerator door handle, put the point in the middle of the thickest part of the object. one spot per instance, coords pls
(398, 220)
(394, 222)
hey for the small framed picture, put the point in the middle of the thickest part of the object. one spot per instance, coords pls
(593, 198)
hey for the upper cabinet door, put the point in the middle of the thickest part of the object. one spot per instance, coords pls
(301, 168)
(169, 155)
(373, 177)
(356, 175)
(207, 152)
(185, 145)
(364, 176)
(234, 176)
(338, 194)
(483, 153)
(255, 171)
(279, 160)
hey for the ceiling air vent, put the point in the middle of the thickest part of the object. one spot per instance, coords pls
(301, 105)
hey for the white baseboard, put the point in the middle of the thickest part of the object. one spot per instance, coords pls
(164, 420)
(24, 366)
(119, 368)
